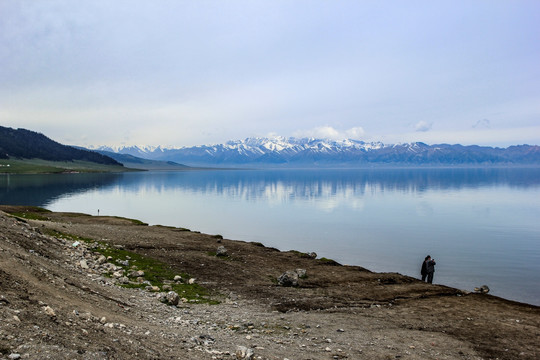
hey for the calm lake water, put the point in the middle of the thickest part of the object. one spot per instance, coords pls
(481, 225)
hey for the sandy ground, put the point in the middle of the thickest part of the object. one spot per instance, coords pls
(54, 305)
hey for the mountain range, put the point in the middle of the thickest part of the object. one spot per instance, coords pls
(268, 152)
(310, 152)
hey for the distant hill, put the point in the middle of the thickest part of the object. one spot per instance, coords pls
(134, 162)
(308, 152)
(26, 144)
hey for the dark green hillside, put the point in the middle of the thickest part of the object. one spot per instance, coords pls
(134, 162)
(26, 144)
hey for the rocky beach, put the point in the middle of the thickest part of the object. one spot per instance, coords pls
(75, 286)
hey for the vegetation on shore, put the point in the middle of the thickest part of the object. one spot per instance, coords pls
(39, 166)
(157, 273)
(27, 152)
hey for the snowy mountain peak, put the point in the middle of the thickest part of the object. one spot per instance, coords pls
(309, 152)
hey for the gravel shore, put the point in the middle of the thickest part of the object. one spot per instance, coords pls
(73, 286)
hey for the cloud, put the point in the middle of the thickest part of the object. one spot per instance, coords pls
(355, 133)
(328, 132)
(482, 124)
(423, 126)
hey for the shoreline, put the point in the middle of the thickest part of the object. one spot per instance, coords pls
(299, 253)
(336, 311)
(456, 287)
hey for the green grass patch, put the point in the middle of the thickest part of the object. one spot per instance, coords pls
(27, 167)
(156, 272)
(28, 212)
(30, 216)
(66, 236)
(39, 166)
(194, 293)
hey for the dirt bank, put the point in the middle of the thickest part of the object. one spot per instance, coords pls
(57, 301)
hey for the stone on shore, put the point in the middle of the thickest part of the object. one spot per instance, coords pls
(484, 289)
(244, 353)
(136, 274)
(101, 260)
(49, 311)
(288, 278)
(222, 251)
(172, 298)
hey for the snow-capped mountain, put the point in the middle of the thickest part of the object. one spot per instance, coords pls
(293, 152)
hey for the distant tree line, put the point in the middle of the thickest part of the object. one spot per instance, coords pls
(26, 144)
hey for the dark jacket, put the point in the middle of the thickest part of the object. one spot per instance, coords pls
(430, 266)
(424, 268)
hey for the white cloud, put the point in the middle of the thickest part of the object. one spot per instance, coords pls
(355, 133)
(423, 126)
(484, 123)
(328, 132)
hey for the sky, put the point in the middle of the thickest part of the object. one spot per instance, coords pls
(184, 73)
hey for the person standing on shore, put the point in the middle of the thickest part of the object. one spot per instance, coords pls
(423, 271)
(430, 267)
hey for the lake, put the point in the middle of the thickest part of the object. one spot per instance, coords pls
(481, 225)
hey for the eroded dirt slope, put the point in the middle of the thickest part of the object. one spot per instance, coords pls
(54, 306)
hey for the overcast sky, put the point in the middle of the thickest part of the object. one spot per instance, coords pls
(182, 73)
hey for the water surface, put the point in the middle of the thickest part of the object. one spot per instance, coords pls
(481, 225)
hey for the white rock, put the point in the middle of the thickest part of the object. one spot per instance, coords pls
(222, 251)
(49, 311)
(301, 273)
(288, 278)
(243, 353)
